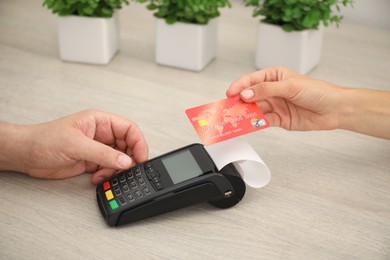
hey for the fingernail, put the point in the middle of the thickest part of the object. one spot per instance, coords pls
(247, 94)
(124, 160)
(99, 180)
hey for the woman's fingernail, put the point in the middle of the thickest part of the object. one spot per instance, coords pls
(124, 160)
(99, 180)
(247, 94)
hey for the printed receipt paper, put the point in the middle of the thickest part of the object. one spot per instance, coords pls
(218, 125)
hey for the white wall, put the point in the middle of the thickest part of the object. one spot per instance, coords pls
(374, 13)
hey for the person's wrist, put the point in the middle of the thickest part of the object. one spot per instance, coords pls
(366, 111)
(14, 147)
(345, 108)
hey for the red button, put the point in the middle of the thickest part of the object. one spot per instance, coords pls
(106, 185)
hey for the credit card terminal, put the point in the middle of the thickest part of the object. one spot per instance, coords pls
(171, 181)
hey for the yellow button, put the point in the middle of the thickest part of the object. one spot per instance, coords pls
(109, 195)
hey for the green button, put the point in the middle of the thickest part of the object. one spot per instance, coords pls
(113, 204)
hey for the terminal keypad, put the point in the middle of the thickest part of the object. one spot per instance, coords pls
(131, 185)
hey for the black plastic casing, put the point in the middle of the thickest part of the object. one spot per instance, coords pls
(223, 189)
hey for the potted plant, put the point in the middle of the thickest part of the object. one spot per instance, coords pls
(87, 29)
(290, 32)
(186, 31)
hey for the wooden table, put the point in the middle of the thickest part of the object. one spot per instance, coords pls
(329, 197)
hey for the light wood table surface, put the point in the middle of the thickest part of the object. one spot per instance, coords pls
(329, 197)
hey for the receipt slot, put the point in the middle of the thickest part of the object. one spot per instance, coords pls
(177, 179)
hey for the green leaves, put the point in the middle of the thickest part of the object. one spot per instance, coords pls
(291, 15)
(311, 19)
(90, 8)
(188, 11)
(297, 15)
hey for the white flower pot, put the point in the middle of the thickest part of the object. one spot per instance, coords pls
(298, 50)
(186, 46)
(88, 39)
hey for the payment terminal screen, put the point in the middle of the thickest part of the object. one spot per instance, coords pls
(181, 166)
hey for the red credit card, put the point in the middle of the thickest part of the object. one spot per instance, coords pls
(225, 119)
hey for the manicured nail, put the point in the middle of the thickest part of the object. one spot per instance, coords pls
(124, 160)
(247, 94)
